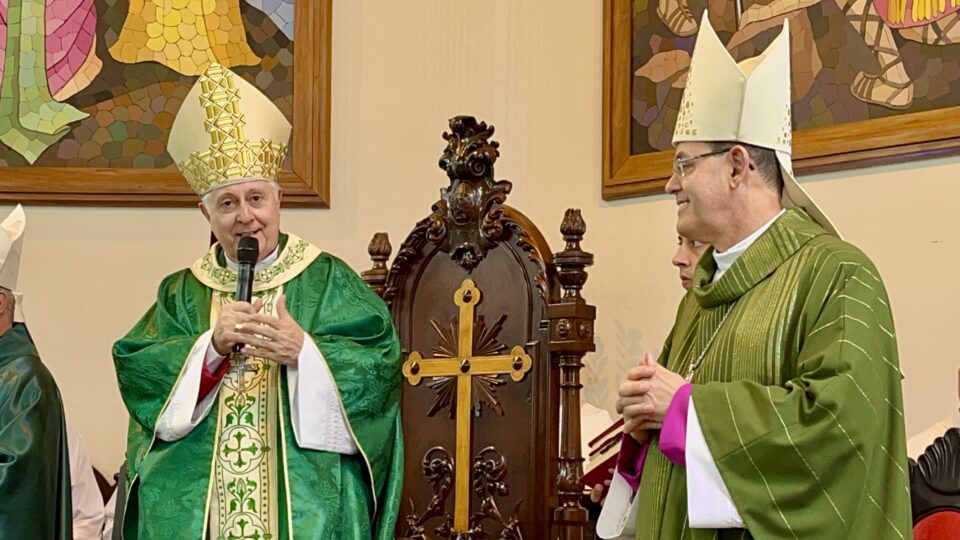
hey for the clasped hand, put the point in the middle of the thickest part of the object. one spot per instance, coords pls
(277, 338)
(645, 396)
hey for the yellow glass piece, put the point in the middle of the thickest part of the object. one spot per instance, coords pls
(154, 29)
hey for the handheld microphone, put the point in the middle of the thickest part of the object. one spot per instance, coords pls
(247, 253)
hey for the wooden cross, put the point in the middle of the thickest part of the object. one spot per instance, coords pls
(465, 366)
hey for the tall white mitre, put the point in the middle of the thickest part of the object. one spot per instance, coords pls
(747, 102)
(11, 245)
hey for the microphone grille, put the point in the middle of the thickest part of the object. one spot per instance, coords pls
(248, 251)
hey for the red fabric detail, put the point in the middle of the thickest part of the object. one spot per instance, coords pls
(938, 526)
(209, 380)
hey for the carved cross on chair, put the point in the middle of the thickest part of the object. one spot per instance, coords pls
(465, 367)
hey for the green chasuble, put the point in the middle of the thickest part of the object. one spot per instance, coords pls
(797, 390)
(240, 473)
(34, 464)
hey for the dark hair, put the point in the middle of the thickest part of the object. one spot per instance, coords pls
(764, 159)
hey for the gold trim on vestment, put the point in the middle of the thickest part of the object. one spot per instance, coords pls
(246, 494)
(294, 259)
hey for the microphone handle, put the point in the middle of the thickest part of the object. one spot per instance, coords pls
(244, 290)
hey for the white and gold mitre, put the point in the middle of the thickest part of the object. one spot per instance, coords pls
(227, 132)
(747, 102)
(11, 246)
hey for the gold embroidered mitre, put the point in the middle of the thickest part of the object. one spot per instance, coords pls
(227, 132)
(747, 102)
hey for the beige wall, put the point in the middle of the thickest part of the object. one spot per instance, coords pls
(533, 69)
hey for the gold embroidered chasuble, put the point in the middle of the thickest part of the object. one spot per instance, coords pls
(244, 490)
(241, 463)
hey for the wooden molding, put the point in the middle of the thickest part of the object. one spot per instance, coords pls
(306, 185)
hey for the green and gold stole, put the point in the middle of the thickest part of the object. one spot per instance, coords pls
(243, 494)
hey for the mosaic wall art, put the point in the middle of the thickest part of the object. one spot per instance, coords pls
(853, 60)
(97, 83)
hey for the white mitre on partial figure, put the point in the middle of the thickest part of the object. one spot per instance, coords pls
(11, 246)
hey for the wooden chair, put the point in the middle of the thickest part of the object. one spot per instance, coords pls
(935, 489)
(493, 330)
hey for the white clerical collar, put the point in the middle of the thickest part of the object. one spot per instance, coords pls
(726, 259)
(271, 258)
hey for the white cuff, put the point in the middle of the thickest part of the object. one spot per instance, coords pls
(212, 359)
(618, 517)
(319, 422)
(183, 413)
(709, 504)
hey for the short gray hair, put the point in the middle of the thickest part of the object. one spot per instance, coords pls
(207, 198)
(765, 160)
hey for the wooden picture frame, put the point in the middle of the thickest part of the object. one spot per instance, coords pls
(855, 144)
(306, 185)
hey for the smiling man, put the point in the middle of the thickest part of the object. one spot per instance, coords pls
(299, 432)
(775, 408)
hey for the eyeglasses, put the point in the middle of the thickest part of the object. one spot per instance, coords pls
(684, 165)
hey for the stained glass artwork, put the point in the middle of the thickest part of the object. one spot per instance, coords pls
(184, 35)
(31, 120)
(853, 60)
(281, 12)
(97, 83)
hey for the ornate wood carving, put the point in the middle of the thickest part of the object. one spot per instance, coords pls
(571, 336)
(502, 218)
(470, 218)
(472, 233)
(379, 251)
(489, 482)
(462, 367)
(410, 251)
(438, 470)
(460, 223)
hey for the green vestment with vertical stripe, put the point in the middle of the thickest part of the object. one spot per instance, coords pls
(313, 494)
(798, 394)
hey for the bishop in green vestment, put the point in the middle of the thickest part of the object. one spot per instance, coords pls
(297, 435)
(775, 408)
(34, 463)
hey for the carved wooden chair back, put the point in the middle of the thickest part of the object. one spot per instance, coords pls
(486, 312)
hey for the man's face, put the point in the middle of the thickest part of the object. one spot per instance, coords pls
(245, 209)
(686, 258)
(702, 192)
